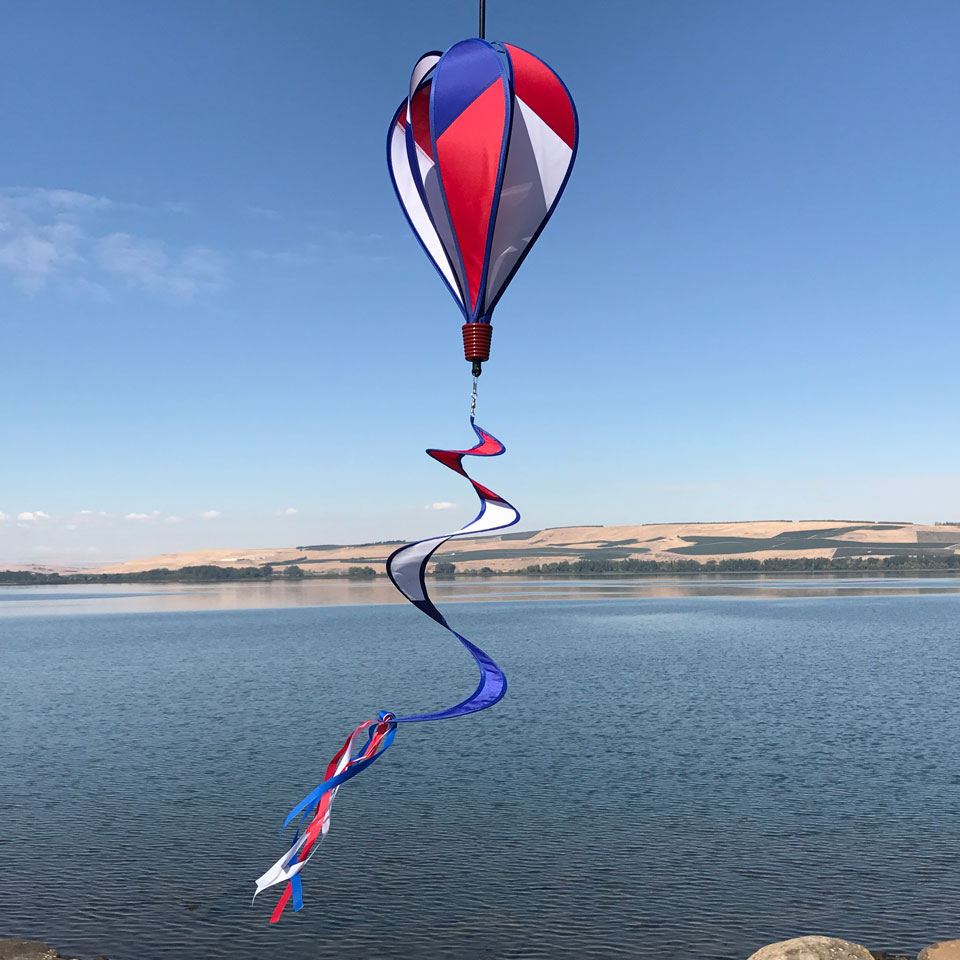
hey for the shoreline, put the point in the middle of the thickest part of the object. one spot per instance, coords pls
(27, 579)
(16, 948)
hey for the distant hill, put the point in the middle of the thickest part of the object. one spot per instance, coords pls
(757, 540)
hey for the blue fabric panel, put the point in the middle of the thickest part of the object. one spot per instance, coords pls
(490, 690)
(463, 73)
(297, 892)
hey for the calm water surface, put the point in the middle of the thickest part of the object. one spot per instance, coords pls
(680, 769)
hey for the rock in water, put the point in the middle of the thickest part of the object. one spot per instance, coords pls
(29, 950)
(947, 950)
(815, 948)
(26, 950)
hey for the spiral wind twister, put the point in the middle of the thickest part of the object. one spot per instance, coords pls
(407, 569)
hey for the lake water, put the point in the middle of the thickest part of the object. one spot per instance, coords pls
(682, 768)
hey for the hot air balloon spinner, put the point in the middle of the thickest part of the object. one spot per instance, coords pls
(479, 153)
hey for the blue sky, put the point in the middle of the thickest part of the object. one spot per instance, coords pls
(218, 330)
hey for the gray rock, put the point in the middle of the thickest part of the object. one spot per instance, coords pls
(29, 950)
(26, 950)
(814, 948)
(947, 950)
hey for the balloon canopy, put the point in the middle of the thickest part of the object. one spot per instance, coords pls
(479, 154)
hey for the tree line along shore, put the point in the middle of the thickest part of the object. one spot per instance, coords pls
(211, 573)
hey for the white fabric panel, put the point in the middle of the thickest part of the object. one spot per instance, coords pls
(409, 560)
(420, 69)
(406, 566)
(444, 253)
(282, 870)
(498, 514)
(553, 155)
(430, 179)
(537, 162)
(410, 198)
(431, 187)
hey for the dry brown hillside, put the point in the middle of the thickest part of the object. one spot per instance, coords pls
(659, 541)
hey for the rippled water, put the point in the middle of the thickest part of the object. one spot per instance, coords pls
(166, 598)
(668, 777)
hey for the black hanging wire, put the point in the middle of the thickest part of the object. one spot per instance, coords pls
(483, 17)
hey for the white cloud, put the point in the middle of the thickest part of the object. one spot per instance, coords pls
(146, 263)
(40, 237)
(59, 201)
(29, 515)
(57, 237)
(351, 236)
(308, 253)
(173, 519)
(3, 516)
(288, 512)
(337, 246)
(90, 516)
(154, 516)
(34, 252)
(210, 514)
(441, 505)
(264, 213)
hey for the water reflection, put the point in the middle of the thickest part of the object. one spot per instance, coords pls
(159, 598)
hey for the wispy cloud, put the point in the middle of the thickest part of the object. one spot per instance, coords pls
(154, 516)
(306, 253)
(288, 512)
(441, 505)
(86, 519)
(34, 252)
(263, 213)
(147, 264)
(58, 201)
(70, 240)
(335, 246)
(350, 236)
(175, 206)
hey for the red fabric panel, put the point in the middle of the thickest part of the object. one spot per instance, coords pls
(281, 903)
(420, 119)
(489, 447)
(375, 740)
(485, 492)
(449, 458)
(469, 155)
(541, 90)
